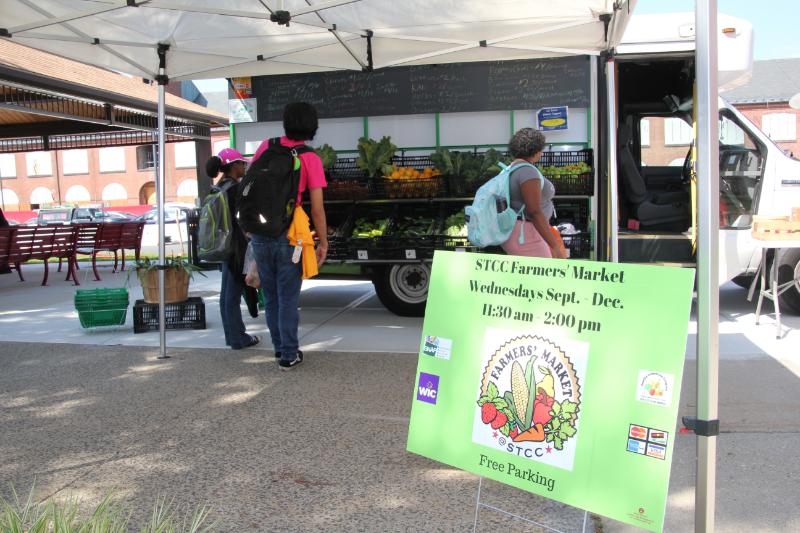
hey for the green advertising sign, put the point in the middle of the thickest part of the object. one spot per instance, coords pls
(561, 378)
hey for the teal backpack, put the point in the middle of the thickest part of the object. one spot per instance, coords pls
(215, 230)
(490, 219)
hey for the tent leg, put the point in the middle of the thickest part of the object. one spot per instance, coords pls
(707, 106)
(160, 191)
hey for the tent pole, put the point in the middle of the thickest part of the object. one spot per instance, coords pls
(613, 200)
(707, 424)
(160, 192)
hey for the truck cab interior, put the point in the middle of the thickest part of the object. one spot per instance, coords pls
(654, 158)
(653, 176)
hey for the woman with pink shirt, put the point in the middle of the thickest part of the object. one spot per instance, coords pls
(281, 277)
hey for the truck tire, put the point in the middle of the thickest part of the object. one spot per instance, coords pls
(789, 269)
(403, 289)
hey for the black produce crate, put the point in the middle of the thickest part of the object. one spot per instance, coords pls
(458, 187)
(576, 184)
(190, 314)
(579, 245)
(446, 242)
(418, 162)
(346, 189)
(574, 211)
(399, 248)
(345, 168)
(560, 159)
(406, 188)
(338, 249)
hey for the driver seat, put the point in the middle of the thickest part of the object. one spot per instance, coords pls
(649, 208)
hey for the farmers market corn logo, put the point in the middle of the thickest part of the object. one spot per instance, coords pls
(529, 401)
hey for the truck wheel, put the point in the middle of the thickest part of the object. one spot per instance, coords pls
(403, 289)
(788, 270)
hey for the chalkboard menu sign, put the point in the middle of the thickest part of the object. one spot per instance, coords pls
(453, 87)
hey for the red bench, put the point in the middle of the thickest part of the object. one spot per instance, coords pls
(21, 244)
(108, 237)
(131, 239)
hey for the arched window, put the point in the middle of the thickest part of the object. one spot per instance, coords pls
(41, 196)
(78, 194)
(187, 191)
(115, 194)
(10, 200)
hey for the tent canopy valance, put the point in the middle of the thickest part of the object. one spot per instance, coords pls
(209, 39)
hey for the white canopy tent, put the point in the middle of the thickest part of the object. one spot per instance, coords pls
(212, 39)
(194, 39)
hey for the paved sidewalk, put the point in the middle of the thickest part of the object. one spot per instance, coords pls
(320, 448)
(324, 448)
(336, 315)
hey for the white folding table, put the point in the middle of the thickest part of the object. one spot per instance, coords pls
(773, 290)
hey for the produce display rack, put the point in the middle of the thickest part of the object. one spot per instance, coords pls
(346, 181)
(351, 196)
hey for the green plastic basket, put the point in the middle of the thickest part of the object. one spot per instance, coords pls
(106, 317)
(101, 307)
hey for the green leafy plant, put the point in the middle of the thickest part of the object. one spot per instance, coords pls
(144, 265)
(108, 516)
(467, 166)
(490, 163)
(456, 225)
(562, 425)
(365, 228)
(375, 156)
(328, 156)
(442, 160)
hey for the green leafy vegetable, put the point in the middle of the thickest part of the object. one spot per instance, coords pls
(456, 225)
(414, 227)
(365, 228)
(375, 156)
(328, 156)
(562, 426)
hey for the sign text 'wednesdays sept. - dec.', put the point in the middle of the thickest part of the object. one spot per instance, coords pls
(532, 287)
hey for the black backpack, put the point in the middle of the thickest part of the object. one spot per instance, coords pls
(268, 192)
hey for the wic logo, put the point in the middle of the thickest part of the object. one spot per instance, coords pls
(427, 388)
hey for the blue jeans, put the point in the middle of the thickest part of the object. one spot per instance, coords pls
(281, 280)
(230, 309)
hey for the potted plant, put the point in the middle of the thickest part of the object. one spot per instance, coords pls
(177, 273)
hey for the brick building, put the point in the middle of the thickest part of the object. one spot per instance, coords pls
(764, 100)
(121, 174)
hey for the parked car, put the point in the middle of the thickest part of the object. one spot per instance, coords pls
(114, 216)
(73, 215)
(170, 213)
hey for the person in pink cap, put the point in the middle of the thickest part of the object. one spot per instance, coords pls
(232, 165)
